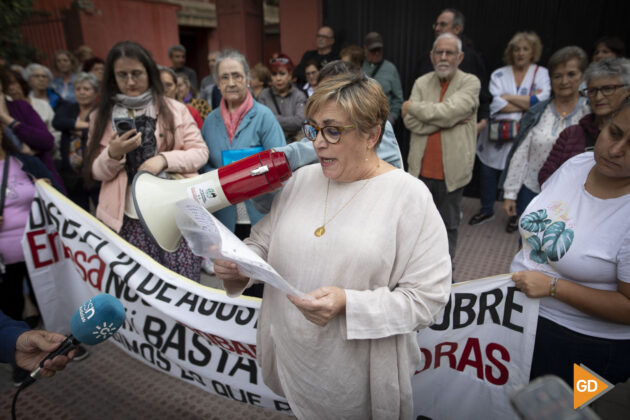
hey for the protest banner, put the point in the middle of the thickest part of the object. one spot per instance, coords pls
(477, 353)
(474, 356)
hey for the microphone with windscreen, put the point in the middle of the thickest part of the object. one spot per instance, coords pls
(94, 322)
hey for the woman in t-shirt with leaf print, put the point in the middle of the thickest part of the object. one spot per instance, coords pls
(576, 257)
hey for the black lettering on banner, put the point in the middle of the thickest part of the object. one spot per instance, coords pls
(281, 405)
(240, 320)
(446, 320)
(465, 309)
(37, 215)
(492, 308)
(162, 293)
(143, 287)
(120, 260)
(199, 344)
(131, 347)
(101, 241)
(511, 306)
(192, 376)
(176, 340)
(153, 330)
(118, 285)
(247, 365)
(67, 231)
(460, 307)
(51, 217)
(207, 307)
(190, 299)
(154, 356)
(222, 316)
(226, 390)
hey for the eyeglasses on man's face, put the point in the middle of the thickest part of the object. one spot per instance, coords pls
(605, 90)
(331, 133)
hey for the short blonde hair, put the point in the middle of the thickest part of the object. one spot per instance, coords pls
(531, 38)
(358, 96)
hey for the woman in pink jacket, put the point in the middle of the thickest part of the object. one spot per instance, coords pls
(164, 138)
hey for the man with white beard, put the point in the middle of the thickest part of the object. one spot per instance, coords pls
(441, 115)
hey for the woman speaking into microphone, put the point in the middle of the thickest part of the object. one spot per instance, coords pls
(366, 242)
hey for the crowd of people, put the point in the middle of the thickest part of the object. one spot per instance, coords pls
(552, 138)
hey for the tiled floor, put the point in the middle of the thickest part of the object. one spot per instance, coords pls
(111, 385)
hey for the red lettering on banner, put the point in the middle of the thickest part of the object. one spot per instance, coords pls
(35, 248)
(448, 353)
(229, 345)
(504, 374)
(94, 276)
(241, 349)
(472, 346)
(471, 355)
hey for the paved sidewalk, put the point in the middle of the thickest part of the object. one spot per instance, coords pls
(109, 384)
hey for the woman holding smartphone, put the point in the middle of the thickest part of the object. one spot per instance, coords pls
(163, 138)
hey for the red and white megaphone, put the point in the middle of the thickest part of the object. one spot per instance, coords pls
(154, 198)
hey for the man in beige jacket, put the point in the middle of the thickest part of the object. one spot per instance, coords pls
(442, 117)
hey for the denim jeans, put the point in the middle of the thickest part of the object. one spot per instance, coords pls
(488, 184)
(525, 195)
(557, 348)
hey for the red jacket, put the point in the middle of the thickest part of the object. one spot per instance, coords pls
(571, 141)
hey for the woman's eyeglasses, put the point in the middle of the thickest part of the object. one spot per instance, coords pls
(331, 133)
(605, 90)
(134, 75)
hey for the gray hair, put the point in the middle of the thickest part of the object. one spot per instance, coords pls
(451, 36)
(174, 48)
(609, 67)
(563, 55)
(86, 77)
(234, 55)
(458, 17)
(28, 71)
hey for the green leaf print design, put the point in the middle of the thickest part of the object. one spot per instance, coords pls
(557, 240)
(536, 254)
(536, 221)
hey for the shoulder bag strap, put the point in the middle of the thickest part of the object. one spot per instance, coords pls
(5, 176)
(376, 69)
(273, 98)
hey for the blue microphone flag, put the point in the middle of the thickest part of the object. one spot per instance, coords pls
(97, 319)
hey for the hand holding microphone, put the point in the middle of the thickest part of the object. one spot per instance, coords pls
(33, 346)
(94, 322)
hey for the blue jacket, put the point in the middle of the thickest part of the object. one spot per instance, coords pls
(10, 330)
(258, 128)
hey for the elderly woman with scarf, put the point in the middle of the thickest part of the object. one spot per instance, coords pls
(239, 126)
(165, 139)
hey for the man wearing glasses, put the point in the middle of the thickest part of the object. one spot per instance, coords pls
(384, 71)
(325, 53)
(452, 21)
(442, 117)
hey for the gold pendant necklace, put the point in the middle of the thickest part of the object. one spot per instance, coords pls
(322, 229)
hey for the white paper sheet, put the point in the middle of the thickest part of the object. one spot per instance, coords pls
(207, 237)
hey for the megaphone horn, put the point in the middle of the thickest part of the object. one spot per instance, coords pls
(154, 198)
